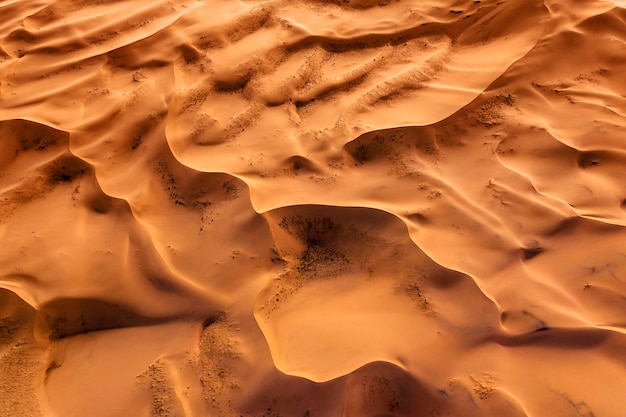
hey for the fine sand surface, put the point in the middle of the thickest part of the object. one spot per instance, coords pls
(312, 208)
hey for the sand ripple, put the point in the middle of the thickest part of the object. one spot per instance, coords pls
(312, 208)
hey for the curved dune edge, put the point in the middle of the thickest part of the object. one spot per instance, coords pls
(418, 82)
(312, 208)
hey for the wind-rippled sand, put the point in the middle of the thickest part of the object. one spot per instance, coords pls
(313, 208)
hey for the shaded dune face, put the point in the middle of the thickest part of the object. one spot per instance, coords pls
(380, 389)
(312, 208)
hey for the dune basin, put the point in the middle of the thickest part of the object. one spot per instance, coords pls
(312, 208)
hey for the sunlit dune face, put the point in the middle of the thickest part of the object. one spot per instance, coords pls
(312, 208)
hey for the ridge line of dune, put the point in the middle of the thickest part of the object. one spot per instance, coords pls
(577, 212)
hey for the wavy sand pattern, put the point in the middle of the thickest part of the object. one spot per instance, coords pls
(312, 208)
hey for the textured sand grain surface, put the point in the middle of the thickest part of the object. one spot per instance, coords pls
(313, 208)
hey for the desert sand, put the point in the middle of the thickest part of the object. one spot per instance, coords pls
(313, 208)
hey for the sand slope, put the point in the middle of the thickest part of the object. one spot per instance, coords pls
(312, 208)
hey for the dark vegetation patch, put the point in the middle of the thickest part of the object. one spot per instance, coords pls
(301, 165)
(137, 141)
(203, 193)
(156, 379)
(38, 143)
(231, 191)
(411, 284)
(320, 235)
(189, 53)
(315, 231)
(169, 182)
(58, 326)
(65, 170)
(249, 22)
(415, 293)
(314, 256)
(321, 257)
(362, 154)
(392, 146)
(8, 330)
(217, 353)
(490, 113)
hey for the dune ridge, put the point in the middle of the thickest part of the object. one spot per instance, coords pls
(312, 208)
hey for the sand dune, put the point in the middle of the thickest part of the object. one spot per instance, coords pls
(312, 208)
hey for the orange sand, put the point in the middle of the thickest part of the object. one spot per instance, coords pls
(313, 208)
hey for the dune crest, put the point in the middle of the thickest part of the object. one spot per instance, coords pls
(312, 208)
